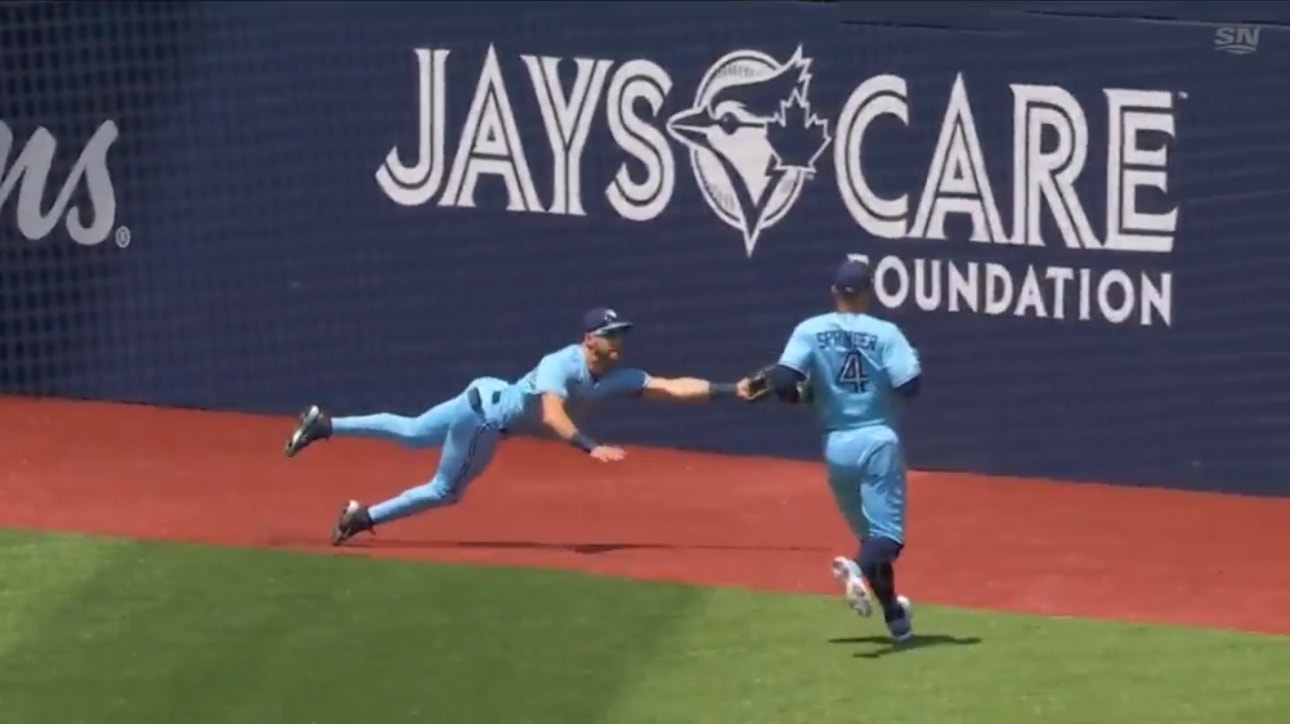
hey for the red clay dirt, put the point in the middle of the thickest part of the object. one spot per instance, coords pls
(992, 543)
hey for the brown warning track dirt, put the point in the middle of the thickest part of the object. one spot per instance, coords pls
(1022, 545)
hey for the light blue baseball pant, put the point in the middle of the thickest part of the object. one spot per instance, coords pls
(866, 470)
(467, 437)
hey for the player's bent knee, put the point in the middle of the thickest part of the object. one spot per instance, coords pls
(437, 494)
(880, 550)
(446, 493)
(876, 558)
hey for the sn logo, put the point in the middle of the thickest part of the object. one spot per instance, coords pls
(1237, 39)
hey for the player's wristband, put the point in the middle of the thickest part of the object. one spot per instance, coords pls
(582, 442)
(722, 390)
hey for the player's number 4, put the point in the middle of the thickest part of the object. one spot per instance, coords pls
(852, 373)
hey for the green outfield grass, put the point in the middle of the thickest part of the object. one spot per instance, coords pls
(102, 631)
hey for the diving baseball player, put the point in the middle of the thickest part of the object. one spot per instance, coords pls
(470, 425)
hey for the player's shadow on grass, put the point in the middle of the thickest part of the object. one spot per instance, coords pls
(886, 646)
(585, 549)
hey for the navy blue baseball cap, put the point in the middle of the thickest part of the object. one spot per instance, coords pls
(852, 277)
(603, 320)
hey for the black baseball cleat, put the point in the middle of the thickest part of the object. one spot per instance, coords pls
(353, 520)
(314, 425)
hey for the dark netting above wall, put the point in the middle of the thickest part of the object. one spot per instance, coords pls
(252, 206)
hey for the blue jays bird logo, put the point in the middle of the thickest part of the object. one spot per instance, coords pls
(752, 137)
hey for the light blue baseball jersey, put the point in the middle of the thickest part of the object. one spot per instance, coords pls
(565, 373)
(855, 362)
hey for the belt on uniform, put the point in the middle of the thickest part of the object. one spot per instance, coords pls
(477, 403)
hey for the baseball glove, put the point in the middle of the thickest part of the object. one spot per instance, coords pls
(759, 386)
(759, 383)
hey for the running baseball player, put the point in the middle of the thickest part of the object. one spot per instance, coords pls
(856, 372)
(469, 426)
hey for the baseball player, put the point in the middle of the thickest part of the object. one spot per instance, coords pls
(468, 427)
(856, 372)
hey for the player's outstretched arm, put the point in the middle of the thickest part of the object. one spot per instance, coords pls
(690, 389)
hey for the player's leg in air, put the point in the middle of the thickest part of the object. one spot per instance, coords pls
(460, 425)
(867, 474)
(428, 429)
